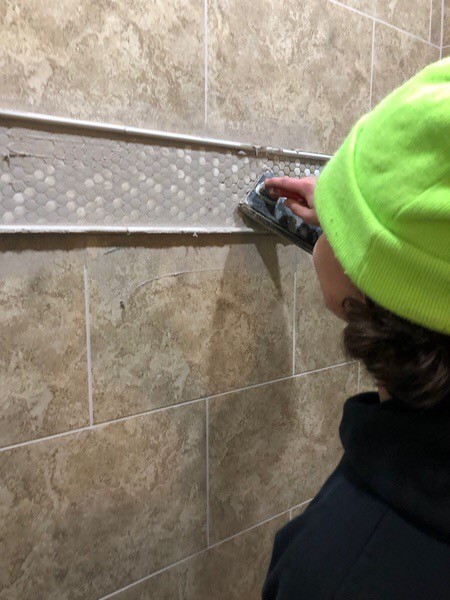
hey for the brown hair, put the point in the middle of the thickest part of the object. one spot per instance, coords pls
(410, 361)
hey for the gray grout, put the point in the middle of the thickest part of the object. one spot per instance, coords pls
(88, 345)
(287, 512)
(377, 20)
(207, 474)
(200, 552)
(171, 406)
(299, 505)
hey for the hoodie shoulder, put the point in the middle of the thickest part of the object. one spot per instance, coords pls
(313, 553)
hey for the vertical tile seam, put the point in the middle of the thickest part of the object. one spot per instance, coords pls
(441, 51)
(294, 312)
(190, 556)
(88, 344)
(372, 66)
(298, 506)
(205, 57)
(170, 407)
(207, 476)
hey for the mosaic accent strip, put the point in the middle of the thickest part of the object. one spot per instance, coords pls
(54, 181)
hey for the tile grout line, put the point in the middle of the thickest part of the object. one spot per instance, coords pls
(298, 506)
(441, 51)
(171, 406)
(371, 67)
(207, 474)
(88, 345)
(186, 558)
(231, 537)
(301, 504)
(205, 50)
(294, 314)
(431, 19)
(377, 20)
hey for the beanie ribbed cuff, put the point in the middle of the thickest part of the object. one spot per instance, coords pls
(394, 273)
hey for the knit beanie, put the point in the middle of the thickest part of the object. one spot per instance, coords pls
(383, 201)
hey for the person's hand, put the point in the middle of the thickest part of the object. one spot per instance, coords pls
(299, 194)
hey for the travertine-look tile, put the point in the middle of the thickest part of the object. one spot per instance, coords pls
(410, 15)
(398, 57)
(272, 447)
(446, 52)
(43, 370)
(85, 514)
(436, 21)
(233, 570)
(318, 332)
(446, 31)
(178, 319)
(132, 63)
(290, 74)
(299, 510)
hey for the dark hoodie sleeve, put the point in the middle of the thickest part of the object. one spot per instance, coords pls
(313, 554)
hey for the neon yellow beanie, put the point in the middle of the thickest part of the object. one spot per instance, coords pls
(383, 201)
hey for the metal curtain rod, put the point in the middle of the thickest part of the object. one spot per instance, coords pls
(41, 119)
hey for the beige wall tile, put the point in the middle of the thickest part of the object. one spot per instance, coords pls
(299, 510)
(446, 52)
(446, 38)
(273, 446)
(293, 74)
(318, 332)
(436, 21)
(43, 370)
(177, 319)
(85, 514)
(398, 57)
(233, 570)
(133, 63)
(410, 15)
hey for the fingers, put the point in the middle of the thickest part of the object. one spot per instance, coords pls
(308, 215)
(291, 187)
(276, 192)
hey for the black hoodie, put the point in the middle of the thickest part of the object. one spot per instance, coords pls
(379, 529)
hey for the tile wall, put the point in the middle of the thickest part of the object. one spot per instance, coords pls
(291, 74)
(168, 402)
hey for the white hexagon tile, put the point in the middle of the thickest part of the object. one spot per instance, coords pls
(59, 181)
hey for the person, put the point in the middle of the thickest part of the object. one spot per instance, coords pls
(379, 529)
